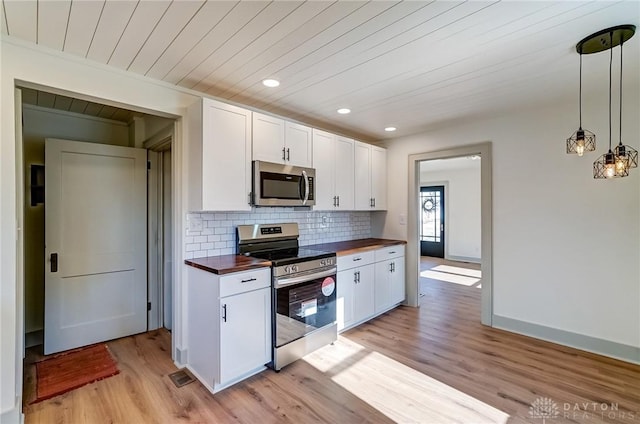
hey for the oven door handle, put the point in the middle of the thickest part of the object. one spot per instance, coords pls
(283, 282)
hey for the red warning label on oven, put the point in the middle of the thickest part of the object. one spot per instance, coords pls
(328, 286)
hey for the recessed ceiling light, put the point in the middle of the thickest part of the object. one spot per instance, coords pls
(271, 83)
(344, 111)
(390, 129)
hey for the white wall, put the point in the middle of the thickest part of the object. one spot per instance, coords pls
(565, 246)
(462, 201)
(21, 62)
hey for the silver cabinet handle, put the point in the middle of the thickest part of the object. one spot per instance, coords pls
(283, 155)
(334, 201)
(338, 201)
(391, 267)
(392, 252)
(288, 158)
(248, 280)
(224, 312)
(357, 259)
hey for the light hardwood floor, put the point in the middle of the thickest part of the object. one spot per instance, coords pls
(434, 364)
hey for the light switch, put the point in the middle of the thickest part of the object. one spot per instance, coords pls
(403, 219)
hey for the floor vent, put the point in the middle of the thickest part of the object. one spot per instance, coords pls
(182, 377)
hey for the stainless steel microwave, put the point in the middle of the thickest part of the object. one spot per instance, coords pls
(283, 185)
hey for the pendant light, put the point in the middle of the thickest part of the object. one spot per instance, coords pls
(626, 156)
(605, 166)
(581, 140)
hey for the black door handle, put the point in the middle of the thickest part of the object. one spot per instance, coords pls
(54, 262)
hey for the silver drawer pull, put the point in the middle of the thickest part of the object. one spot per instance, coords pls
(357, 259)
(249, 280)
(392, 252)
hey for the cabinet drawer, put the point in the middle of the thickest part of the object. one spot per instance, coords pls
(244, 281)
(355, 260)
(390, 252)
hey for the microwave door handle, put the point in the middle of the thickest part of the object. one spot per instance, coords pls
(306, 187)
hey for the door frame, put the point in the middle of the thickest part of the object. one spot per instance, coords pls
(156, 146)
(413, 242)
(178, 163)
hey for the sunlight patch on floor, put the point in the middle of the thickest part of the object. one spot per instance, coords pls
(449, 278)
(396, 390)
(458, 270)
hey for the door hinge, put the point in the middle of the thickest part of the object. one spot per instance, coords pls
(148, 164)
(148, 306)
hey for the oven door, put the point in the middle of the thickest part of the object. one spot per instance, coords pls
(303, 304)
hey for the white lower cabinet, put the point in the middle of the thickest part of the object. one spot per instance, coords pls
(389, 281)
(369, 283)
(229, 325)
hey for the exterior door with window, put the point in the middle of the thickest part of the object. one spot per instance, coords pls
(432, 221)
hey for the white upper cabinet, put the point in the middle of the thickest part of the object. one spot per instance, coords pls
(379, 177)
(298, 143)
(279, 141)
(268, 138)
(333, 162)
(362, 169)
(370, 177)
(219, 156)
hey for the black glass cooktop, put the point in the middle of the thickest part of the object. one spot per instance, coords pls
(291, 256)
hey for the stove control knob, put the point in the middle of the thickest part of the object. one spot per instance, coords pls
(287, 269)
(294, 268)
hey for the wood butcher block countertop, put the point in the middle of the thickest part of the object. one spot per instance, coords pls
(343, 248)
(227, 264)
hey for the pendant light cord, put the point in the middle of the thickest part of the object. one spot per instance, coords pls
(580, 91)
(621, 43)
(610, 83)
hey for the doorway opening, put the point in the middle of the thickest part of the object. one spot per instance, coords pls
(449, 230)
(47, 115)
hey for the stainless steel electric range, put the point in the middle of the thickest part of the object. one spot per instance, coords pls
(303, 285)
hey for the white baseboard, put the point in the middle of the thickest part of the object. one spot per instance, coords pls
(463, 259)
(579, 341)
(13, 415)
(181, 357)
(33, 338)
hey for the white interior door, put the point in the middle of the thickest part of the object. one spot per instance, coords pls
(95, 243)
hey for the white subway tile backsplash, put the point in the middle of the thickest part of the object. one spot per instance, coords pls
(218, 234)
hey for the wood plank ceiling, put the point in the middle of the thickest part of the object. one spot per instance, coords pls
(412, 65)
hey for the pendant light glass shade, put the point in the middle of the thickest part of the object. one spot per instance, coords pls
(626, 156)
(582, 140)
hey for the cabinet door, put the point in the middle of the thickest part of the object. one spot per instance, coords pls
(383, 285)
(397, 281)
(323, 162)
(344, 173)
(363, 296)
(226, 157)
(362, 181)
(298, 144)
(344, 298)
(379, 177)
(268, 139)
(245, 333)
